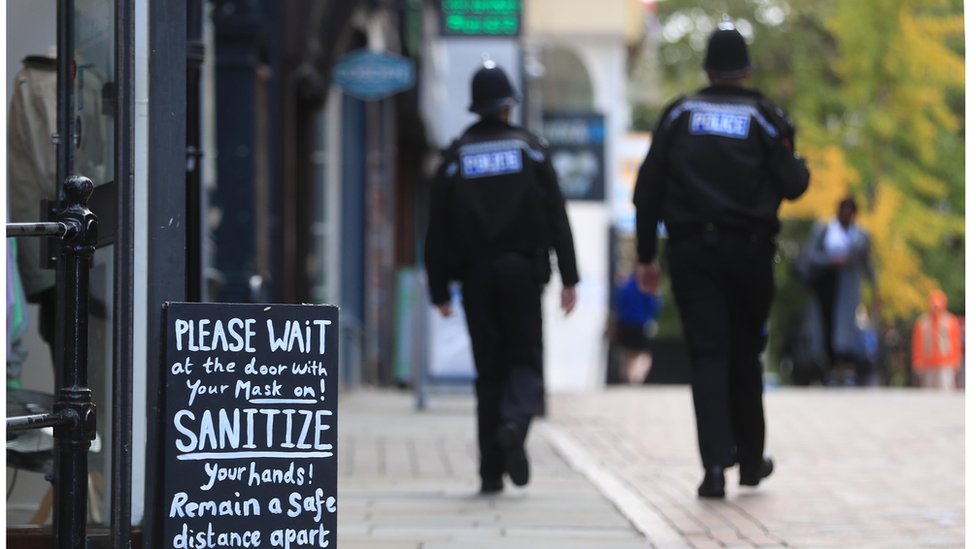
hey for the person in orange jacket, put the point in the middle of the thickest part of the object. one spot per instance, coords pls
(937, 345)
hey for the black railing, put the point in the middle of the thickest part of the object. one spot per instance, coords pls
(73, 416)
(56, 228)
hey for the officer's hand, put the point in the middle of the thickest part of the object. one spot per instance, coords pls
(648, 277)
(445, 309)
(568, 299)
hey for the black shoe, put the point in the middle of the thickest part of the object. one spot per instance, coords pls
(509, 437)
(713, 485)
(752, 477)
(491, 486)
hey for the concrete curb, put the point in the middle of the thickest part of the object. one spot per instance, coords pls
(644, 517)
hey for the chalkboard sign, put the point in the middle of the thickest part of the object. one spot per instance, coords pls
(249, 426)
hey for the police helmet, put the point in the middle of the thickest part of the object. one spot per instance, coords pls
(491, 91)
(727, 55)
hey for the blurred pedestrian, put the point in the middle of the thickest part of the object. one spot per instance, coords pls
(867, 366)
(835, 257)
(720, 163)
(496, 212)
(634, 314)
(962, 345)
(937, 345)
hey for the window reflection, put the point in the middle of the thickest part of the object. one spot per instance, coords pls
(32, 178)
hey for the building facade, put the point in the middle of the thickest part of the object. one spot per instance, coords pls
(231, 164)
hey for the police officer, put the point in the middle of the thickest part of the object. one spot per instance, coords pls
(496, 211)
(720, 163)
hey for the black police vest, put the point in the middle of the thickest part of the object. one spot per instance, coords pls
(497, 202)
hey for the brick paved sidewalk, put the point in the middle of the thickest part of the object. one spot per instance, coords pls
(854, 468)
(619, 468)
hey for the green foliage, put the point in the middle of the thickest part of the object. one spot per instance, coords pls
(643, 118)
(901, 82)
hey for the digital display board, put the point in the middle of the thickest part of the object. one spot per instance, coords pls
(481, 17)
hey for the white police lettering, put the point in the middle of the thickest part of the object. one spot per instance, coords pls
(719, 123)
(490, 163)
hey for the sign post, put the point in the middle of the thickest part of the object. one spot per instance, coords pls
(249, 426)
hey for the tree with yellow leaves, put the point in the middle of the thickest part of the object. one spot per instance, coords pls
(876, 88)
(897, 72)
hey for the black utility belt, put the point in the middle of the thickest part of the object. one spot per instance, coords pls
(487, 256)
(714, 230)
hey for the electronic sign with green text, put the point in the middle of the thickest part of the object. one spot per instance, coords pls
(481, 17)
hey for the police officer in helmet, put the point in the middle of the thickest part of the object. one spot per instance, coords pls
(496, 213)
(720, 163)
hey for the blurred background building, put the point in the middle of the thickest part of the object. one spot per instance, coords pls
(278, 151)
(263, 151)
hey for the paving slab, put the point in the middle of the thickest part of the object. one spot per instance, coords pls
(618, 468)
(854, 467)
(408, 478)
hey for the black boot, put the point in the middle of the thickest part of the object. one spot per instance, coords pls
(752, 475)
(713, 486)
(511, 439)
(491, 486)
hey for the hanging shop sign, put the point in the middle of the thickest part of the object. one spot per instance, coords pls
(371, 76)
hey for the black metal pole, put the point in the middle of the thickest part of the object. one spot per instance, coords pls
(121, 486)
(64, 139)
(74, 402)
(195, 198)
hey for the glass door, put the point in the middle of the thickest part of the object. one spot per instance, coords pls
(64, 120)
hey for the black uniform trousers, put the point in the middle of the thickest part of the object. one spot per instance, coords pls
(503, 307)
(723, 286)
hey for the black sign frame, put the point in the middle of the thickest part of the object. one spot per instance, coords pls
(248, 425)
